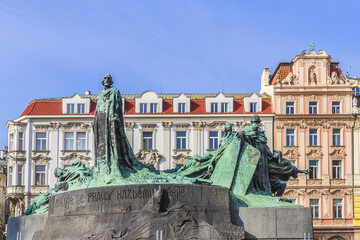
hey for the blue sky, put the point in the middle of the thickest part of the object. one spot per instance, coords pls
(56, 48)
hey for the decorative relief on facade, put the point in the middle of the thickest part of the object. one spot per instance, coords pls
(40, 159)
(291, 152)
(313, 98)
(314, 182)
(41, 126)
(337, 193)
(290, 98)
(147, 126)
(180, 159)
(338, 222)
(317, 221)
(314, 193)
(314, 152)
(129, 126)
(336, 98)
(54, 126)
(38, 189)
(184, 151)
(337, 152)
(76, 125)
(240, 124)
(292, 182)
(326, 126)
(288, 80)
(68, 159)
(291, 193)
(337, 181)
(313, 122)
(217, 124)
(166, 125)
(349, 126)
(182, 126)
(148, 156)
(334, 79)
(198, 125)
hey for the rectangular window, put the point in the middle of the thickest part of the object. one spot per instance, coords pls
(314, 206)
(10, 176)
(314, 166)
(180, 140)
(335, 107)
(290, 108)
(224, 107)
(41, 141)
(21, 141)
(181, 107)
(312, 107)
(147, 140)
(40, 175)
(143, 107)
(337, 208)
(20, 175)
(290, 137)
(153, 107)
(69, 141)
(337, 169)
(313, 137)
(11, 142)
(81, 141)
(214, 107)
(253, 107)
(213, 140)
(336, 137)
(81, 108)
(70, 108)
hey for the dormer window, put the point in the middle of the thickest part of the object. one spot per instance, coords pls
(253, 103)
(253, 107)
(214, 107)
(81, 108)
(148, 102)
(181, 107)
(70, 108)
(153, 107)
(143, 108)
(220, 103)
(76, 105)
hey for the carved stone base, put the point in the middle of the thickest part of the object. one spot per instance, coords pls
(139, 212)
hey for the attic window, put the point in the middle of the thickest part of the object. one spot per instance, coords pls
(70, 108)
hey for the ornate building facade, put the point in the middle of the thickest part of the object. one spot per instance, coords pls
(313, 127)
(164, 130)
(3, 205)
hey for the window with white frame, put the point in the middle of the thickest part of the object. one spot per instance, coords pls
(336, 137)
(180, 140)
(314, 167)
(40, 174)
(69, 141)
(336, 169)
(290, 137)
(41, 141)
(253, 107)
(20, 175)
(313, 107)
(313, 137)
(213, 140)
(314, 206)
(11, 142)
(70, 108)
(290, 109)
(80, 141)
(214, 107)
(337, 208)
(147, 140)
(143, 107)
(357, 91)
(335, 107)
(81, 108)
(21, 141)
(224, 107)
(153, 107)
(181, 108)
(10, 176)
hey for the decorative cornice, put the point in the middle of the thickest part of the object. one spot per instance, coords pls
(55, 126)
(217, 125)
(166, 125)
(181, 126)
(313, 98)
(337, 152)
(198, 125)
(314, 152)
(129, 125)
(148, 126)
(40, 159)
(76, 125)
(41, 126)
(291, 152)
(336, 98)
(185, 151)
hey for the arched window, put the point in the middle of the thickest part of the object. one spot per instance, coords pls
(357, 91)
(336, 238)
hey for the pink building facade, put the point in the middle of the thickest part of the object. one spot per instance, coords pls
(312, 101)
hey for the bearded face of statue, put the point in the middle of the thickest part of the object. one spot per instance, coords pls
(107, 81)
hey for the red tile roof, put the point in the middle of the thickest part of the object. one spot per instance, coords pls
(283, 71)
(54, 107)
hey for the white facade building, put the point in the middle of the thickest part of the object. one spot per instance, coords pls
(164, 130)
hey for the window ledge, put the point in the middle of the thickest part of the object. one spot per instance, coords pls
(75, 151)
(186, 151)
(40, 151)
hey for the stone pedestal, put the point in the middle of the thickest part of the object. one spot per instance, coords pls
(158, 211)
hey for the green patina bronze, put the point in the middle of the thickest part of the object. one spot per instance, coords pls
(243, 163)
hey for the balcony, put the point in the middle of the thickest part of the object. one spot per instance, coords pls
(15, 190)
